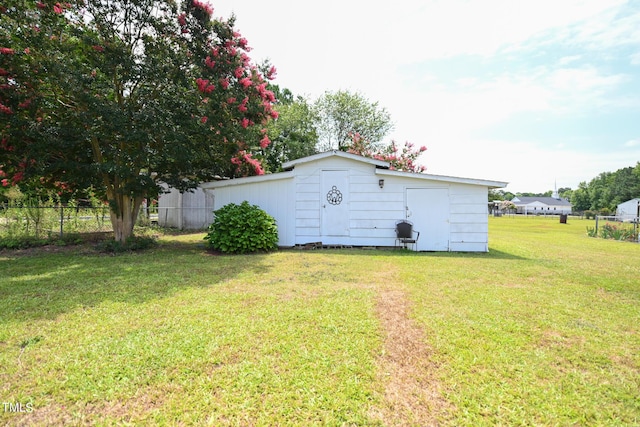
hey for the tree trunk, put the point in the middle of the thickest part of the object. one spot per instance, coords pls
(123, 215)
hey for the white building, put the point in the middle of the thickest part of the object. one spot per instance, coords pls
(629, 209)
(339, 198)
(542, 205)
(188, 210)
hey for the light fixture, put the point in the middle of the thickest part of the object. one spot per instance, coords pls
(381, 183)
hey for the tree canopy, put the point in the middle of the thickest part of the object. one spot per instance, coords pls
(293, 135)
(342, 114)
(606, 191)
(125, 94)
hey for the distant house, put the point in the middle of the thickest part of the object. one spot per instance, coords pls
(629, 209)
(542, 205)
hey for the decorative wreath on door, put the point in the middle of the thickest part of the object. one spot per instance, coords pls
(334, 196)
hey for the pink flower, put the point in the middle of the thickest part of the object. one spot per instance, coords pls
(204, 119)
(239, 72)
(231, 101)
(182, 19)
(98, 48)
(224, 83)
(204, 86)
(6, 51)
(423, 148)
(244, 122)
(4, 109)
(271, 74)
(246, 82)
(215, 52)
(27, 51)
(5, 182)
(209, 62)
(41, 5)
(57, 8)
(243, 105)
(264, 142)
(206, 7)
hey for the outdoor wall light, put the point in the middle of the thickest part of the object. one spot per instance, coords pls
(381, 183)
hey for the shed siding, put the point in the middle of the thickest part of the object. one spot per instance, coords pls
(274, 197)
(628, 209)
(189, 210)
(469, 220)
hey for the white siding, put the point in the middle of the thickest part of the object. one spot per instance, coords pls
(628, 209)
(469, 222)
(189, 210)
(274, 197)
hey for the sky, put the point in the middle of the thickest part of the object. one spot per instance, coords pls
(538, 93)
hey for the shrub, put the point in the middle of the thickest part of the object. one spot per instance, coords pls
(242, 229)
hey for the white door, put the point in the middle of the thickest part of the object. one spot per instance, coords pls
(428, 210)
(334, 203)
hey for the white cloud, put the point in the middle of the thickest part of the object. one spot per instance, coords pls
(633, 143)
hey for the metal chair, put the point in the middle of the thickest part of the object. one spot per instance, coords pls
(405, 233)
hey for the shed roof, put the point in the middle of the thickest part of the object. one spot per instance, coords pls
(382, 168)
(335, 153)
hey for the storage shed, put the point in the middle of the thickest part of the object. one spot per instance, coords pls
(339, 198)
(629, 210)
(191, 210)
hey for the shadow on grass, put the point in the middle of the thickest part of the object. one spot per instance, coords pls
(44, 285)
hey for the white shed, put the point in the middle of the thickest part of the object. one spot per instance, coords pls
(191, 210)
(629, 209)
(339, 198)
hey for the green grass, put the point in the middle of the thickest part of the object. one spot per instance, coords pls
(543, 330)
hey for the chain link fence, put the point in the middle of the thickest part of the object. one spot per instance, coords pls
(42, 222)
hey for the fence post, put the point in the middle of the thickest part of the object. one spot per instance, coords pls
(61, 221)
(596, 225)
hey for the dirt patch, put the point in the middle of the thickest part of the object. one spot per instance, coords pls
(412, 394)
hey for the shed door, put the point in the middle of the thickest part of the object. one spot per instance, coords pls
(334, 202)
(428, 210)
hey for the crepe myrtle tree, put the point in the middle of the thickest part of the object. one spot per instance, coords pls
(402, 159)
(122, 95)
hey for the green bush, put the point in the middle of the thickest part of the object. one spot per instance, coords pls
(242, 229)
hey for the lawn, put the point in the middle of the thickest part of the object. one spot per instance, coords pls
(543, 330)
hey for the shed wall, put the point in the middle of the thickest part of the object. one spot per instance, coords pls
(628, 209)
(274, 197)
(188, 210)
